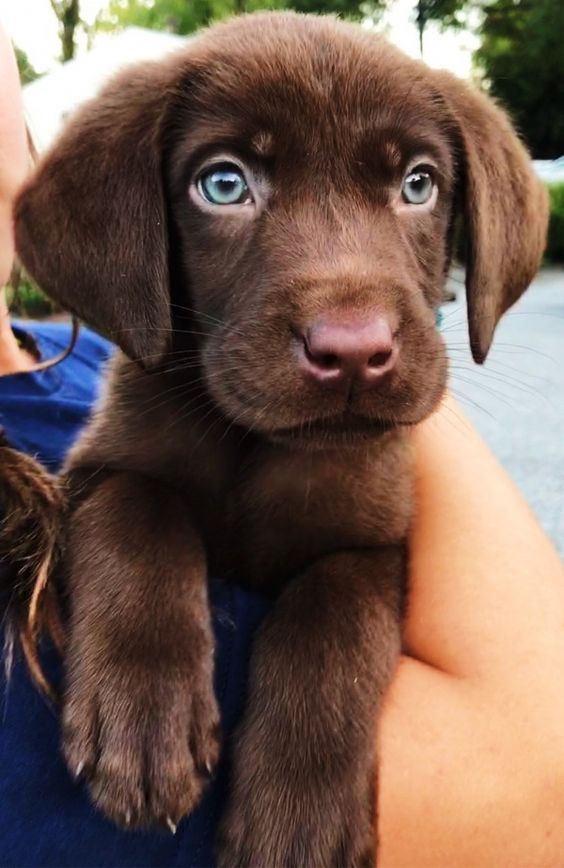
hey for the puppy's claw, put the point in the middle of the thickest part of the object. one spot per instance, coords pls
(171, 825)
(128, 818)
(79, 770)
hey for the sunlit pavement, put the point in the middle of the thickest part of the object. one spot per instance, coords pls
(516, 399)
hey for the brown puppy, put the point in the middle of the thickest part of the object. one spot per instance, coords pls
(263, 223)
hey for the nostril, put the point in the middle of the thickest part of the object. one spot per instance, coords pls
(379, 359)
(328, 361)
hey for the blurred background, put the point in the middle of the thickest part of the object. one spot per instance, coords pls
(510, 48)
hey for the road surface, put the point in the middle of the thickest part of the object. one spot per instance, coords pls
(516, 399)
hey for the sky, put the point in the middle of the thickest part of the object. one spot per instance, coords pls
(32, 26)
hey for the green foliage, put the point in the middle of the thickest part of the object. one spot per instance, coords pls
(175, 16)
(25, 68)
(186, 16)
(555, 247)
(351, 9)
(523, 60)
(25, 299)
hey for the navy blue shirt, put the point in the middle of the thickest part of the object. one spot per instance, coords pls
(43, 412)
(45, 817)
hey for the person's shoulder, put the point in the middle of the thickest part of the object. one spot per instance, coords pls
(44, 411)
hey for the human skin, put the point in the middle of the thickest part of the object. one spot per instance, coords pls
(13, 170)
(472, 735)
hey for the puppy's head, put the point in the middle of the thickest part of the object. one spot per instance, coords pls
(284, 193)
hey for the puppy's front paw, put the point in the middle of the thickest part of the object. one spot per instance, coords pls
(144, 738)
(298, 815)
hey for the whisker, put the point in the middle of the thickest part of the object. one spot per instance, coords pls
(182, 415)
(505, 379)
(453, 418)
(149, 356)
(170, 394)
(211, 319)
(495, 393)
(449, 313)
(497, 363)
(503, 346)
(462, 397)
(552, 314)
(168, 330)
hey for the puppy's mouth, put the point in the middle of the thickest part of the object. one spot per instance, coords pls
(345, 428)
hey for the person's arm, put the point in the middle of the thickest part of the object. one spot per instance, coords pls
(13, 150)
(472, 735)
(13, 170)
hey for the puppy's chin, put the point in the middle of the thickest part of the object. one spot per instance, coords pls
(342, 430)
(345, 430)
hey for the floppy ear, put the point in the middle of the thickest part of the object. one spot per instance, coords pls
(91, 223)
(505, 209)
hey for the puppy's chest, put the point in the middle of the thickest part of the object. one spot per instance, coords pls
(284, 509)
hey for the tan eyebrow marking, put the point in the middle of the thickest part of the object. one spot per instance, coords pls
(263, 144)
(392, 153)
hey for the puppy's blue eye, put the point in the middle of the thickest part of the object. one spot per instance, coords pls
(224, 185)
(418, 186)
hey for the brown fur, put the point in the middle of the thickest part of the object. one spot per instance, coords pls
(212, 452)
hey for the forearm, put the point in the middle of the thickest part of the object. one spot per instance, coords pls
(485, 581)
(466, 782)
(13, 150)
(472, 735)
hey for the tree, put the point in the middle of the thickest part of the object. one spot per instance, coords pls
(446, 12)
(523, 62)
(68, 16)
(352, 9)
(185, 16)
(176, 16)
(25, 68)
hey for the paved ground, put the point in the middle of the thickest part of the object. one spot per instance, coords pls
(517, 399)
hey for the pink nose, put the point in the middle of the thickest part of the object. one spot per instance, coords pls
(339, 349)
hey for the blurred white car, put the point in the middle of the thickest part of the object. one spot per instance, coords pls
(550, 171)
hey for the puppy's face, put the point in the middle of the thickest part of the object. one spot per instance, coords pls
(284, 191)
(312, 196)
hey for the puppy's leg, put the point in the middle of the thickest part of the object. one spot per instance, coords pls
(140, 718)
(304, 778)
